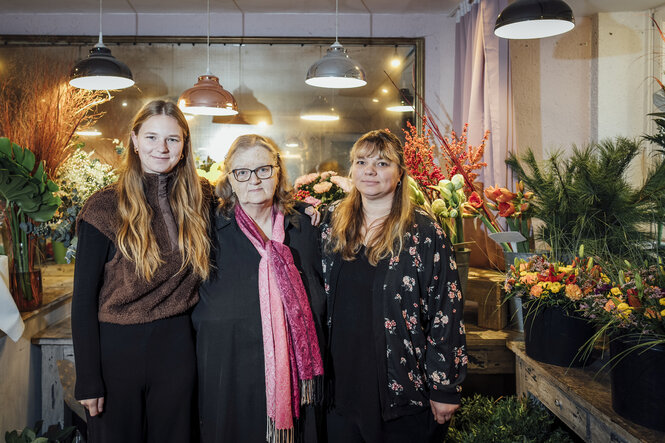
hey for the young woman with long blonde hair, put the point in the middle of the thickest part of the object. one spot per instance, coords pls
(143, 248)
(396, 335)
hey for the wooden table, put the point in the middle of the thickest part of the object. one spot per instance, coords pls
(581, 398)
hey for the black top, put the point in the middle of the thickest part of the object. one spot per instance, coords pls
(228, 325)
(417, 323)
(352, 349)
(93, 251)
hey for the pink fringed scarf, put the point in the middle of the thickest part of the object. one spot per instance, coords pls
(289, 336)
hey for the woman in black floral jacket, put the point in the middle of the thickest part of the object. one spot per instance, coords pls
(396, 337)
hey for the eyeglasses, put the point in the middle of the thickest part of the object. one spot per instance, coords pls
(262, 173)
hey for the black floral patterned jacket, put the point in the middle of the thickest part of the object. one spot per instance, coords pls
(417, 320)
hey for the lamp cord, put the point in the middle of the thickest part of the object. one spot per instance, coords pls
(336, 20)
(100, 43)
(208, 41)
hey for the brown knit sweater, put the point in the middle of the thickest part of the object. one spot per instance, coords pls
(126, 298)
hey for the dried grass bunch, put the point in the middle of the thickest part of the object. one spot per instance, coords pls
(40, 111)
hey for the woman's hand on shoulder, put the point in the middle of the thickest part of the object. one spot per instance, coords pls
(314, 215)
(93, 405)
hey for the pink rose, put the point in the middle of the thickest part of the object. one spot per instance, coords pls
(322, 187)
(312, 201)
(342, 182)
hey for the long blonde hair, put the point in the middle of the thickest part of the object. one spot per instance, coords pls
(136, 240)
(348, 218)
(283, 195)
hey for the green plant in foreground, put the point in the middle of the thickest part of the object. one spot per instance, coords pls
(508, 419)
(54, 434)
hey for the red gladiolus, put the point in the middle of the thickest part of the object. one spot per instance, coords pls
(475, 200)
(572, 279)
(506, 209)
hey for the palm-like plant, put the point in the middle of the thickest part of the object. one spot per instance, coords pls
(589, 199)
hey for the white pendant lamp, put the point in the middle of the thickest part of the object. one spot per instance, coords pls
(405, 103)
(525, 19)
(100, 70)
(208, 97)
(336, 69)
(319, 110)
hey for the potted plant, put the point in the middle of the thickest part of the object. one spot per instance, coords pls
(506, 419)
(589, 198)
(552, 294)
(28, 195)
(631, 313)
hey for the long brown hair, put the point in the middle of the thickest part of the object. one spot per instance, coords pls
(348, 218)
(136, 240)
(283, 195)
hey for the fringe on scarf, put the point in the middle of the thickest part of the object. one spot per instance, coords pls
(311, 391)
(291, 435)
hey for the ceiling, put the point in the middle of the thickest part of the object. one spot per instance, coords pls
(580, 7)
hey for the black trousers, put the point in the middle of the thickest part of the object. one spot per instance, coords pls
(149, 372)
(417, 428)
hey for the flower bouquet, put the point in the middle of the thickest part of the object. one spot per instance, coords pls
(631, 312)
(551, 294)
(515, 207)
(321, 188)
(78, 178)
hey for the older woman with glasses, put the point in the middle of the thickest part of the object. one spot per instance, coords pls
(257, 339)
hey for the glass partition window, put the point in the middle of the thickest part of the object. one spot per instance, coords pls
(268, 82)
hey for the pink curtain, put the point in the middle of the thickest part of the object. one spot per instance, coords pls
(483, 99)
(483, 96)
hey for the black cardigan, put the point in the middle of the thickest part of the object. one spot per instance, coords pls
(417, 323)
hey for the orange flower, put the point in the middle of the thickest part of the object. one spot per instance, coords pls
(609, 306)
(651, 313)
(506, 196)
(492, 193)
(536, 291)
(475, 200)
(573, 292)
(506, 209)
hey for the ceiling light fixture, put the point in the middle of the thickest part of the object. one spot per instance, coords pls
(405, 103)
(319, 110)
(534, 19)
(100, 70)
(336, 69)
(207, 96)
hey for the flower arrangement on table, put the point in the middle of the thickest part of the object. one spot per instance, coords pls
(635, 305)
(539, 282)
(321, 188)
(78, 178)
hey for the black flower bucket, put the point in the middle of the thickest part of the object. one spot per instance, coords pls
(553, 337)
(638, 387)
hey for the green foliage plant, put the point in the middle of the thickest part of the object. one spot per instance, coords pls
(28, 195)
(507, 419)
(588, 198)
(54, 434)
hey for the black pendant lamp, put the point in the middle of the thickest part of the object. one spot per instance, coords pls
(100, 70)
(524, 19)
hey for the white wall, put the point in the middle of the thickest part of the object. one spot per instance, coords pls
(589, 84)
